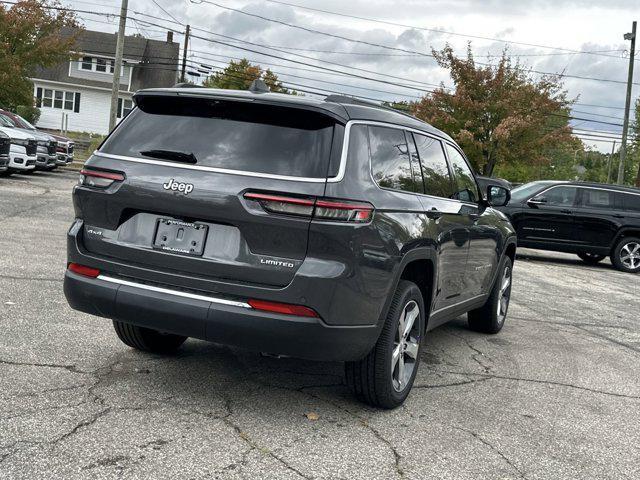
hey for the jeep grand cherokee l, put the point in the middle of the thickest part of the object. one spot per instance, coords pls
(592, 220)
(324, 230)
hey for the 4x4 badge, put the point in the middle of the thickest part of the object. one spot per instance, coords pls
(185, 188)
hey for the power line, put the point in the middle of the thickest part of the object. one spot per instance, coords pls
(364, 42)
(435, 30)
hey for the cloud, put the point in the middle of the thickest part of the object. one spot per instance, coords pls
(585, 25)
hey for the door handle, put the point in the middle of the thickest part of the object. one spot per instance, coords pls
(617, 215)
(434, 213)
(566, 211)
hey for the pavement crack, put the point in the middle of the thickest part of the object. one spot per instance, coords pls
(453, 384)
(544, 382)
(70, 368)
(478, 353)
(495, 449)
(253, 445)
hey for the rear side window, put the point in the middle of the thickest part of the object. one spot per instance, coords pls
(437, 179)
(466, 188)
(390, 164)
(598, 198)
(631, 202)
(231, 135)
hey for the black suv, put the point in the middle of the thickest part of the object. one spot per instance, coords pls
(326, 230)
(592, 220)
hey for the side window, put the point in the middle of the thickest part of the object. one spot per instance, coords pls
(415, 163)
(390, 165)
(437, 179)
(560, 196)
(466, 188)
(632, 202)
(592, 198)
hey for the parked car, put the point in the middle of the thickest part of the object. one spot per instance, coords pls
(64, 145)
(46, 150)
(5, 147)
(23, 148)
(324, 230)
(592, 220)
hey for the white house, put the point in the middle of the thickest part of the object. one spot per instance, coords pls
(77, 94)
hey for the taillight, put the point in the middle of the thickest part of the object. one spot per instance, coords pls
(343, 211)
(98, 179)
(282, 204)
(284, 308)
(84, 270)
(318, 208)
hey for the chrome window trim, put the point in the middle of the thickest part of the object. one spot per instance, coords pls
(623, 192)
(208, 169)
(345, 145)
(176, 293)
(406, 129)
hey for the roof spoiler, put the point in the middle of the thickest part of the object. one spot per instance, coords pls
(356, 101)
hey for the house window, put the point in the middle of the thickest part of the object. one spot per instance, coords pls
(101, 65)
(47, 99)
(68, 100)
(124, 107)
(87, 63)
(58, 99)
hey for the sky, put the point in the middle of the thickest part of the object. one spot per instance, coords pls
(576, 38)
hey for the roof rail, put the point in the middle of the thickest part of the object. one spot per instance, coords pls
(366, 103)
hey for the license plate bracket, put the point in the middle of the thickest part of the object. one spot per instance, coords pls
(176, 236)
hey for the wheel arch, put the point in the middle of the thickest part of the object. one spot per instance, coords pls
(622, 233)
(418, 266)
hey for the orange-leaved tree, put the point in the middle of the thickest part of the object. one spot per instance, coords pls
(497, 113)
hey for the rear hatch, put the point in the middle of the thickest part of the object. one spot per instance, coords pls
(180, 186)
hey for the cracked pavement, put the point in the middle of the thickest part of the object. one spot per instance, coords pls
(555, 395)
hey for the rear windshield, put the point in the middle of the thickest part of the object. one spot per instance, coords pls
(240, 136)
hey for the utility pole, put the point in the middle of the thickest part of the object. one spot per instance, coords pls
(117, 66)
(184, 53)
(627, 106)
(613, 150)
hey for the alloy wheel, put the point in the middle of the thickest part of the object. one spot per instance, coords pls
(405, 347)
(504, 295)
(630, 255)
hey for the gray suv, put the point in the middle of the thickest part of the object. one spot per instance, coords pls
(318, 229)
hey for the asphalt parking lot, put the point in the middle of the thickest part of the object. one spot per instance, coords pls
(555, 395)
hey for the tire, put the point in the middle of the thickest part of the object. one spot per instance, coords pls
(375, 379)
(146, 339)
(626, 255)
(591, 258)
(491, 316)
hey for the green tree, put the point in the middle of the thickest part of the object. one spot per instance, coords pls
(239, 76)
(30, 38)
(500, 116)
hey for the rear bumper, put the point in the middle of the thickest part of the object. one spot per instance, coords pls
(216, 319)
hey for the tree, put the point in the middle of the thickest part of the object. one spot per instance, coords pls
(239, 76)
(30, 38)
(498, 115)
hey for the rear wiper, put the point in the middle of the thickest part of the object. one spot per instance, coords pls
(171, 156)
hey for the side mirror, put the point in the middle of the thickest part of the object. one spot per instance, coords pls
(537, 201)
(498, 196)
